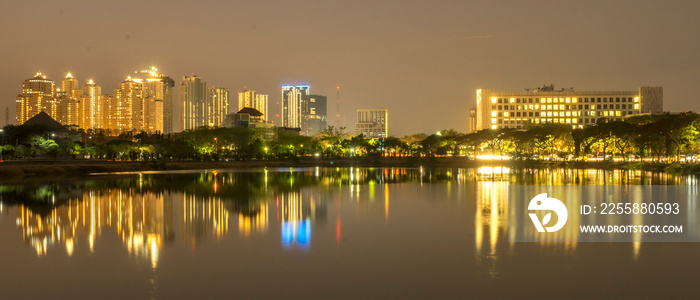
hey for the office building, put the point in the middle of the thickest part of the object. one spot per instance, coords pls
(314, 110)
(372, 123)
(495, 110)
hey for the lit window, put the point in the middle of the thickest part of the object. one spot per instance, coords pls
(493, 121)
(493, 113)
(512, 100)
(493, 126)
(636, 106)
(493, 100)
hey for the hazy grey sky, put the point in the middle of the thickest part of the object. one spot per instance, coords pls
(422, 60)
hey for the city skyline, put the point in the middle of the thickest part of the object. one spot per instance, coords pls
(414, 58)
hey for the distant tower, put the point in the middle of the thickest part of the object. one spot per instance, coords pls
(337, 111)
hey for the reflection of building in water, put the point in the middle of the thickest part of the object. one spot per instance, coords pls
(202, 217)
(296, 210)
(143, 221)
(253, 219)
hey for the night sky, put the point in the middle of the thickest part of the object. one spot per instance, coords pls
(422, 60)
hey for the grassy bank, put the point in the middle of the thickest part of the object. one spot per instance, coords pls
(43, 169)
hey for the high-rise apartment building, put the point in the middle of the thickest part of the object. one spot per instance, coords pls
(218, 107)
(292, 104)
(139, 104)
(128, 113)
(37, 95)
(91, 106)
(372, 123)
(249, 98)
(193, 97)
(68, 99)
(158, 105)
(496, 110)
(314, 114)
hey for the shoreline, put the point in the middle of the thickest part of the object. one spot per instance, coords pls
(52, 169)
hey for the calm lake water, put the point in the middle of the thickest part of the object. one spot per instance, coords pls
(316, 233)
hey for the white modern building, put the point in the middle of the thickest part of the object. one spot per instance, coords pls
(495, 110)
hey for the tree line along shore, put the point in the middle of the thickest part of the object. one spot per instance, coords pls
(666, 142)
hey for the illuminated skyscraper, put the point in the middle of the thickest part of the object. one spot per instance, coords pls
(69, 85)
(158, 103)
(193, 96)
(372, 123)
(252, 99)
(218, 106)
(68, 100)
(292, 104)
(37, 95)
(129, 106)
(91, 106)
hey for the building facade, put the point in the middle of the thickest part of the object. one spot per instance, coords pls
(314, 114)
(372, 123)
(292, 104)
(495, 110)
(193, 95)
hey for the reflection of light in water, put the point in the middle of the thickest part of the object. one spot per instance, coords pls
(492, 170)
(69, 247)
(491, 215)
(386, 201)
(296, 233)
(337, 231)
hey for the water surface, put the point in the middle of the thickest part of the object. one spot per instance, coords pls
(316, 233)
